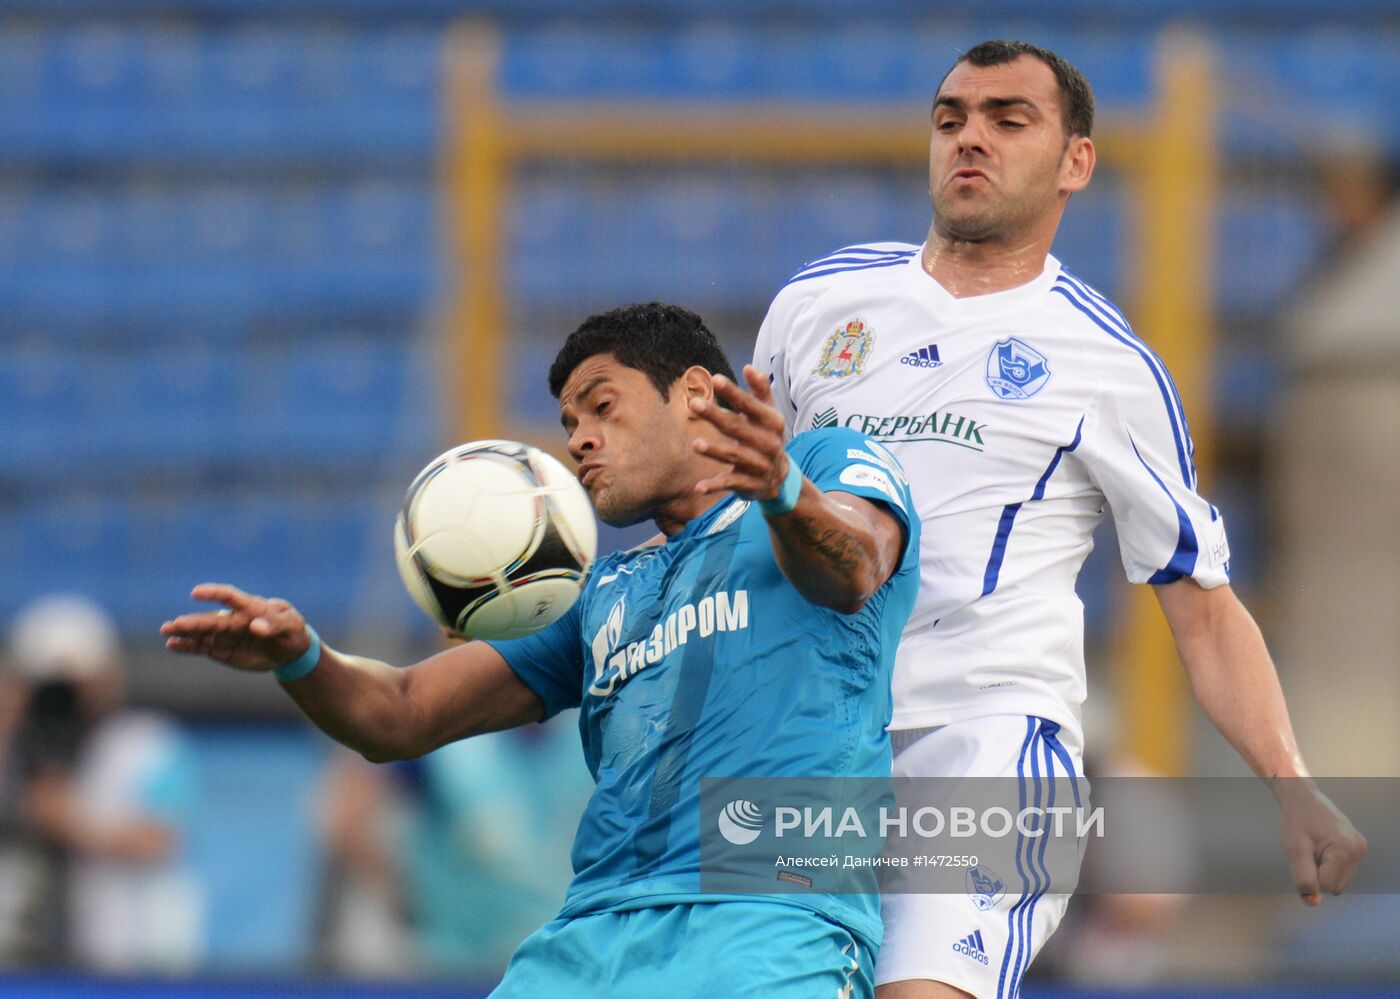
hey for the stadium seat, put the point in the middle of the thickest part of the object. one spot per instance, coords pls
(138, 553)
(1267, 245)
(328, 405)
(261, 92)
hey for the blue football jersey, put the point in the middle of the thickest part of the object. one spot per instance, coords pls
(697, 658)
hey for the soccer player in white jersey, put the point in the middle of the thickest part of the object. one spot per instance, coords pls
(1022, 405)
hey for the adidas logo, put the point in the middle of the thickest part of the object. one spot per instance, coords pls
(924, 357)
(826, 418)
(971, 946)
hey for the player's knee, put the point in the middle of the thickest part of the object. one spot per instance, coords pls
(920, 989)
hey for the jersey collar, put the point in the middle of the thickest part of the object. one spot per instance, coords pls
(929, 290)
(699, 525)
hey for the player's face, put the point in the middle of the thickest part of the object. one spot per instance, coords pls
(1000, 164)
(628, 441)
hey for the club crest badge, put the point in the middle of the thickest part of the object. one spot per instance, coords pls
(846, 351)
(1016, 370)
(984, 887)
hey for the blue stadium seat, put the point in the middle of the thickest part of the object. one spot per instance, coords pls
(38, 386)
(1091, 240)
(707, 240)
(195, 410)
(1248, 385)
(341, 405)
(274, 91)
(265, 91)
(167, 301)
(875, 59)
(78, 544)
(1267, 245)
(139, 555)
(370, 222)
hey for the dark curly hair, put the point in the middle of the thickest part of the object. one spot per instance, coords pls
(661, 341)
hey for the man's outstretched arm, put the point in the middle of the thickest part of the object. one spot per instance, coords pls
(1235, 682)
(382, 712)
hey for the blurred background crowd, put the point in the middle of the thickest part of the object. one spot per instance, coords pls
(260, 261)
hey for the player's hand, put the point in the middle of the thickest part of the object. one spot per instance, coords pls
(250, 632)
(752, 443)
(1322, 846)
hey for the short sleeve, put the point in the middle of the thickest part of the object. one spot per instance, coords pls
(1138, 449)
(550, 662)
(838, 459)
(770, 358)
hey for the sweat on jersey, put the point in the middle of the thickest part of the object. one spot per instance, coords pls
(1017, 415)
(697, 658)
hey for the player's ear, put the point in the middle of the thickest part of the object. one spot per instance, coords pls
(1077, 165)
(696, 383)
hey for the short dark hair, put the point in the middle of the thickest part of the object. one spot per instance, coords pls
(1076, 96)
(661, 341)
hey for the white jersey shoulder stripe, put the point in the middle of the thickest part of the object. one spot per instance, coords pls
(857, 258)
(874, 248)
(1075, 294)
(838, 265)
(1180, 434)
(1126, 328)
(860, 253)
(1121, 322)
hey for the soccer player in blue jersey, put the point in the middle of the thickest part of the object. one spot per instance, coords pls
(757, 640)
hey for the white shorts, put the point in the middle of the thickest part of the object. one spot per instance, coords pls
(979, 942)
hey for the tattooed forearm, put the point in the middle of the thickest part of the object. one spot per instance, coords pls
(836, 546)
(829, 552)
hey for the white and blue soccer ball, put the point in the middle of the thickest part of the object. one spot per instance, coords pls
(494, 539)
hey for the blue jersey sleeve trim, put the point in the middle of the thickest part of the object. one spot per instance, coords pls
(1183, 560)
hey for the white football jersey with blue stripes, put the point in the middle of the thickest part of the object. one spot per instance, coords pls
(1020, 417)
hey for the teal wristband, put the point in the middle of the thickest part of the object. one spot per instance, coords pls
(302, 664)
(787, 495)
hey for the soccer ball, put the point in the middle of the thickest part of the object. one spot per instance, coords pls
(494, 539)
